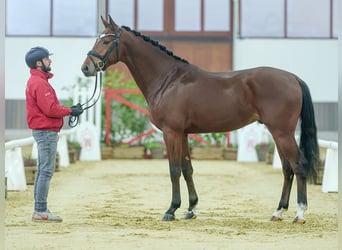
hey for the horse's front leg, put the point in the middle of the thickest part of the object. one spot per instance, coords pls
(173, 144)
(187, 171)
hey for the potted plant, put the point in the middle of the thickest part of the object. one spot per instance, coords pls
(57, 168)
(74, 148)
(29, 161)
(125, 151)
(156, 149)
(212, 151)
(261, 150)
(270, 153)
(106, 151)
(30, 166)
(230, 152)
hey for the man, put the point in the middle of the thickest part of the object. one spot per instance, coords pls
(44, 115)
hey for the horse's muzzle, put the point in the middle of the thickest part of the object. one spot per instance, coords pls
(87, 71)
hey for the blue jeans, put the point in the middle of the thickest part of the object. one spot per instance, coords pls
(47, 150)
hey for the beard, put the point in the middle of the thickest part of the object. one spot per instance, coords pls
(46, 68)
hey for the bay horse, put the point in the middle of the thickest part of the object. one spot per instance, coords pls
(184, 99)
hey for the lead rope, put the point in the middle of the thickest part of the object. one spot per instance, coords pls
(74, 119)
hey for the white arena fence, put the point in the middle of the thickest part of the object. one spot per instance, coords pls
(14, 165)
(330, 174)
(15, 173)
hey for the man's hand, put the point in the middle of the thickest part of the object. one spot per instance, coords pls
(76, 110)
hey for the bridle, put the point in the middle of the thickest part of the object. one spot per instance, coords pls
(99, 66)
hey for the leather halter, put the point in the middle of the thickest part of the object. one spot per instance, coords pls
(101, 65)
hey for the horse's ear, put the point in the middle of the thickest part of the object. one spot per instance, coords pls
(105, 23)
(112, 23)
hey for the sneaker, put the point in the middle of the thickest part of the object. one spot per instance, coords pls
(46, 217)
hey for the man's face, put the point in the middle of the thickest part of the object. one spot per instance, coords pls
(47, 63)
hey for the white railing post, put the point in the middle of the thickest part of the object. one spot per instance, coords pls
(62, 149)
(330, 174)
(89, 130)
(14, 169)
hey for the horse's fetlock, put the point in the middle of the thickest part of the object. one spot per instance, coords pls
(175, 205)
(193, 201)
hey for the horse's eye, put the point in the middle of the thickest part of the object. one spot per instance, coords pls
(105, 42)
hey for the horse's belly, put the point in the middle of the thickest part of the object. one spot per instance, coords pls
(219, 121)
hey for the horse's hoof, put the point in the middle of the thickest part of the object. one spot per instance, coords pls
(298, 221)
(190, 215)
(168, 217)
(276, 218)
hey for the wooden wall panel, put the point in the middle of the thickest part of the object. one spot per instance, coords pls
(206, 55)
(211, 56)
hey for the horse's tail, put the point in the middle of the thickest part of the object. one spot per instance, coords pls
(308, 138)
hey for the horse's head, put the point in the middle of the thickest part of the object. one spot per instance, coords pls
(105, 51)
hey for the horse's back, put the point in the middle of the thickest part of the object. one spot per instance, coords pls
(263, 71)
(264, 93)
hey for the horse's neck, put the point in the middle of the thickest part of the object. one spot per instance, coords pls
(147, 64)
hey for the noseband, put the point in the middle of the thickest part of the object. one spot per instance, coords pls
(101, 65)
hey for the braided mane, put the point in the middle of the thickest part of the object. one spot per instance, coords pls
(155, 43)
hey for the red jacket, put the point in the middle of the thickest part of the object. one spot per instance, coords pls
(43, 110)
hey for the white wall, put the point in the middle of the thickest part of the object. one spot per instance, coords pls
(313, 60)
(69, 54)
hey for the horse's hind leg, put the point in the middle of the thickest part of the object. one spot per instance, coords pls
(292, 165)
(301, 177)
(285, 195)
(187, 171)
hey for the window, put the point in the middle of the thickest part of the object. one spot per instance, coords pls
(157, 17)
(174, 17)
(67, 21)
(28, 18)
(202, 16)
(335, 18)
(217, 15)
(288, 18)
(188, 15)
(122, 16)
(307, 18)
(264, 19)
(150, 15)
(51, 18)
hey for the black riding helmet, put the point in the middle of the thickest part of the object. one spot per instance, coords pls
(36, 54)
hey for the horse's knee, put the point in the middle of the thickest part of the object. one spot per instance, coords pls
(175, 172)
(175, 175)
(187, 173)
